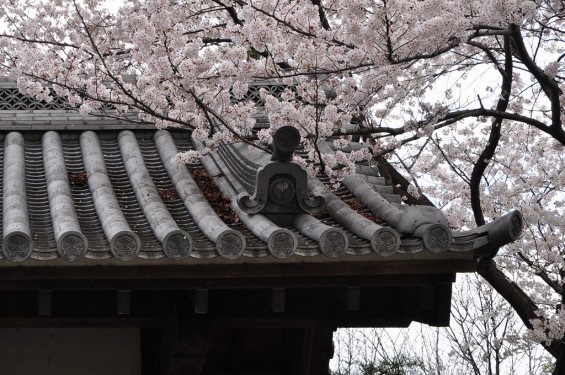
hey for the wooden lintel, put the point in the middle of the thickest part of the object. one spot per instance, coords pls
(88, 322)
(44, 303)
(351, 297)
(250, 281)
(290, 273)
(124, 302)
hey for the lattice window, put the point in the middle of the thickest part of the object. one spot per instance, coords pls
(253, 93)
(12, 99)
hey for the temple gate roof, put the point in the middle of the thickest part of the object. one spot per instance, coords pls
(89, 190)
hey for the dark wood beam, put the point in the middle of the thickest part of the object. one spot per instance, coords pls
(231, 274)
(173, 278)
(200, 301)
(87, 322)
(351, 297)
(185, 344)
(44, 302)
(277, 299)
(124, 302)
(428, 297)
(312, 306)
(317, 351)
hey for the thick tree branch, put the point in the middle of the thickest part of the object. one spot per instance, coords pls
(399, 182)
(548, 84)
(322, 14)
(514, 295)
(455, 116)
(231, 11)
(494, 137)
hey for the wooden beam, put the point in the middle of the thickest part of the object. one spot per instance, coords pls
(277, 300)
(87, 281)
(230, 274)
(185, 344)
(437, 315)
(90, 322)
(200, 301)
(44, 303)
(351, 297)
(317, 351)
(124, 302)
(428, 297)
(340, 306)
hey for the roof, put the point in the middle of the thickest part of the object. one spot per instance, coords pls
(82, 190)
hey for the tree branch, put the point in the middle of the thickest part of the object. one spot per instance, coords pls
(520, 302)
(494, 137)
(541, 273)
(399, 183)
(322, 14)
(548, 84)
(460, 115)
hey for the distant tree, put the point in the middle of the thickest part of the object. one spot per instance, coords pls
(376, 352)
(465, 96)
(484, 338)
(398, 366)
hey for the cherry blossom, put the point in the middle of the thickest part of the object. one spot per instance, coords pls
(464, 97)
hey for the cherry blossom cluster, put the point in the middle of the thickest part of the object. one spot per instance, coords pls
(465, 97)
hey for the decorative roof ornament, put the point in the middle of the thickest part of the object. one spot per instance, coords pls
(280, 186)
